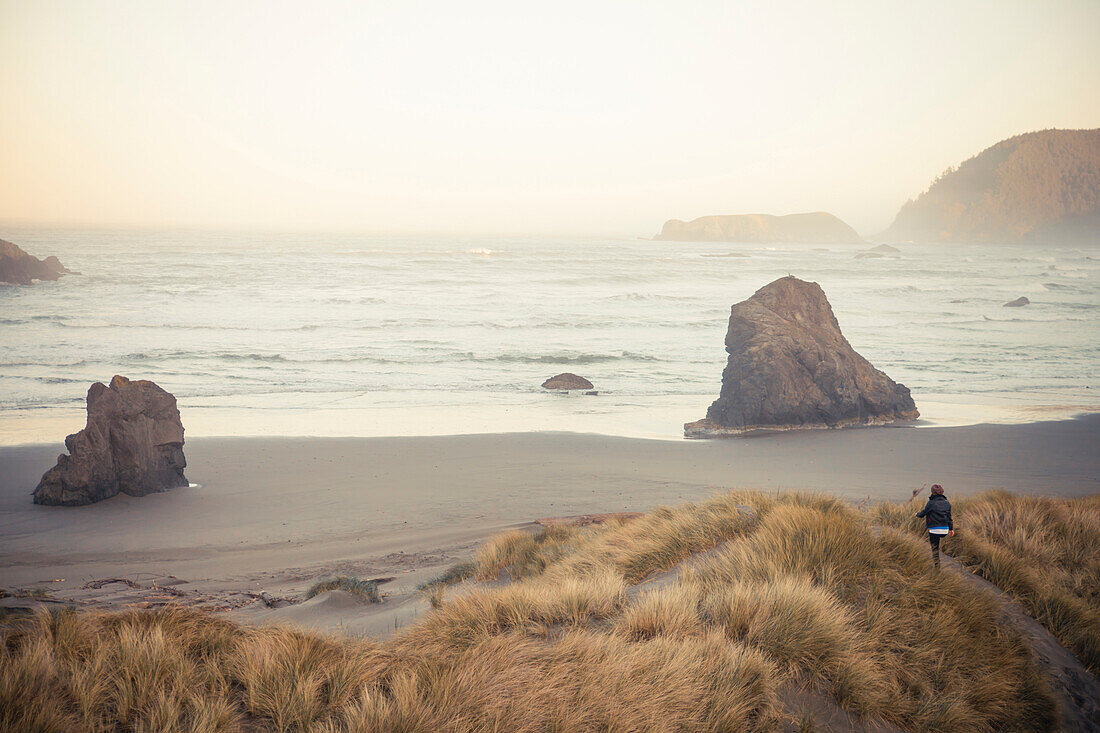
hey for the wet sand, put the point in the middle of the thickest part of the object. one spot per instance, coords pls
(274, 514)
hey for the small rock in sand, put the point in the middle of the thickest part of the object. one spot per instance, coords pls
(1021, 301)
(566, 381)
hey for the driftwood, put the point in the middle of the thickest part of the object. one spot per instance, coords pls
(37, 597)
(380, 581)
(263, 596)
(167, 589)
(97, 584)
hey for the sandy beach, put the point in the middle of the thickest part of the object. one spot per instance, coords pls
(273, 514)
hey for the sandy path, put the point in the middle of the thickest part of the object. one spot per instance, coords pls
(1077, 690)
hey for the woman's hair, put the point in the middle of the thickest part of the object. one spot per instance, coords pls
(937, 490)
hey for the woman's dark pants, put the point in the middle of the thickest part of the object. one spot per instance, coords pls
(934, 540)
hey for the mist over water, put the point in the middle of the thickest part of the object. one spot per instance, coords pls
(265, 321)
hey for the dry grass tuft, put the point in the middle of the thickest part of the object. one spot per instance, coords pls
(131, 671)
(532, 606)
(183, 670)
(366, 589)
(455, 574)
(671, 613)
(655, 542)
(590, 681)
(520, 554)
(800, 624)
(510, 552)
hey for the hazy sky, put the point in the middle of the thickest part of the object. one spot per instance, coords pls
(516, 117)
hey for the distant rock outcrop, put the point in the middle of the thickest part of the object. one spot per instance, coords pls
(790, 367)
(19, 268)
(1037, 187)
(566, 381)
(133, 444)
(818, 228)
(1021, 301)
(882, 250)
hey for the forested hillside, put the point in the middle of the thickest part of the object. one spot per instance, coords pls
(1040, 186)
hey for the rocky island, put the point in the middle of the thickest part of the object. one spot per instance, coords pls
(132, 444)
(1036, 187)
(19, 268)
(817, 227)
(790, 367)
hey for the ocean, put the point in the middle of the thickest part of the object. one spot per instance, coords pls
(326, 334)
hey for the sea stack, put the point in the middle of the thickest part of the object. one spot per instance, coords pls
(133, 444)
(790, 367)
(19, 268)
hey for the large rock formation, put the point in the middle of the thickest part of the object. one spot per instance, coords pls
(20, 268)
(790, 367)
(133, 443)
(818, 227)
(1037, 187)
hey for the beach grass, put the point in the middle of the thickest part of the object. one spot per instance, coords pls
(366, 589)
(600, 628)
(456, 573)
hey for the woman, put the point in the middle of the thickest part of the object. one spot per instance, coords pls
(937, 517)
